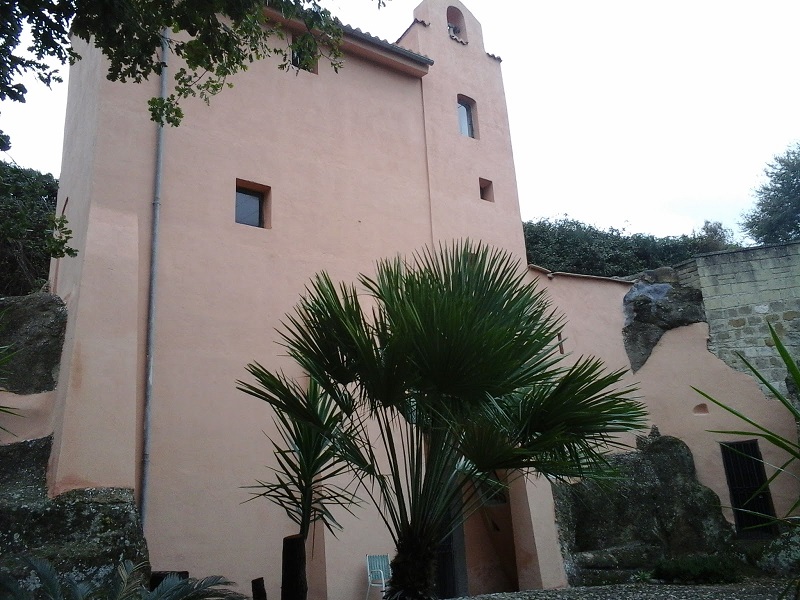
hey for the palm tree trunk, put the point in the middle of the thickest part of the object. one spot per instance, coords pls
(294, 585)
(413, 570)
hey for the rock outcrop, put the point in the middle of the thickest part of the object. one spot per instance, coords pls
(83, 533)
(653, 307)
(655, 508)
(34, 327)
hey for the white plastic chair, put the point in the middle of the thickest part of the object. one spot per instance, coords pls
(378, 572)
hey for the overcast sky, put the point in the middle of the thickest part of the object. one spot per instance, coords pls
(641, 115)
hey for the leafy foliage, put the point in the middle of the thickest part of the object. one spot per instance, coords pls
(30, 232)
(454, 361)
(224, 37)
(776, 216)
(571, 246)
(699, 568)
(308, 464)
(124, 584)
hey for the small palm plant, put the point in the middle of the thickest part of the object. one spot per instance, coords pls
(308, 467)
(125, 584)
(307, 461)
(790, 446)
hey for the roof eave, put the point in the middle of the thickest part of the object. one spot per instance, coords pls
(358, 43)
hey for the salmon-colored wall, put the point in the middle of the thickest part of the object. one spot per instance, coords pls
(34, 418)
(362, 164)
(98, 380)
(679, 362)
(491, 561)
(456, 162)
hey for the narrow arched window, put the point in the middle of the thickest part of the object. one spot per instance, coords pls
(467, 123)
(455, 25)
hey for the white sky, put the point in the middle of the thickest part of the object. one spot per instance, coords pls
(636, 114)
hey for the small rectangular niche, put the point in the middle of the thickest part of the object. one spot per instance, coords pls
(486, 189)
(253, 204)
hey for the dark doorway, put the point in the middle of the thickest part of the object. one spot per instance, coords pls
(445, 570)
(750, 498)
(451, 566)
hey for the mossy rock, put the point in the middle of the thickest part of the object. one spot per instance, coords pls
(781, 556)
(83, 533)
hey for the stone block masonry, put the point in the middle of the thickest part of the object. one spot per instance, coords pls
(743, 291)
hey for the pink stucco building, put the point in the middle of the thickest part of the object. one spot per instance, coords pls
(408, 145)
(283, 176)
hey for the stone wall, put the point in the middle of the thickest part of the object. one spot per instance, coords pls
(743, 290)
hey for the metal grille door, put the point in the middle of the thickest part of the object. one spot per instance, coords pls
(750, 498)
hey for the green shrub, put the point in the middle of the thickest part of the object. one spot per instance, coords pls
(699, 568)
(30, 232)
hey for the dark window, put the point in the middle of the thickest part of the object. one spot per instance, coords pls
(252, 204)
(487, 189)
(467, 123)
(249, 208)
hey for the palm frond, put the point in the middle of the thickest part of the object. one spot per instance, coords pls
(208, 588)
(80, 590)
(126, 584)
(308, 422)
(48, 577)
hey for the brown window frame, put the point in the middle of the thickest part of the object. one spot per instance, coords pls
(264, 195)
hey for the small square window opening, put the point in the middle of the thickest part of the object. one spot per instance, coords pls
(487, 189)
(252, 204)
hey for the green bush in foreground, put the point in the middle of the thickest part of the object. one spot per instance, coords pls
(125, 584)
(31, 234)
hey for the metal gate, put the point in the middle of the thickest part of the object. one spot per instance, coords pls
(747, 482)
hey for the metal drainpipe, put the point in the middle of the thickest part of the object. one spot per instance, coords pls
(151, 295)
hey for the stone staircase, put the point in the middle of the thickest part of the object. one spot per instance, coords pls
(622, 564)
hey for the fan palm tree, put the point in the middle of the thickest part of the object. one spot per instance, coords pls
(455, 360)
